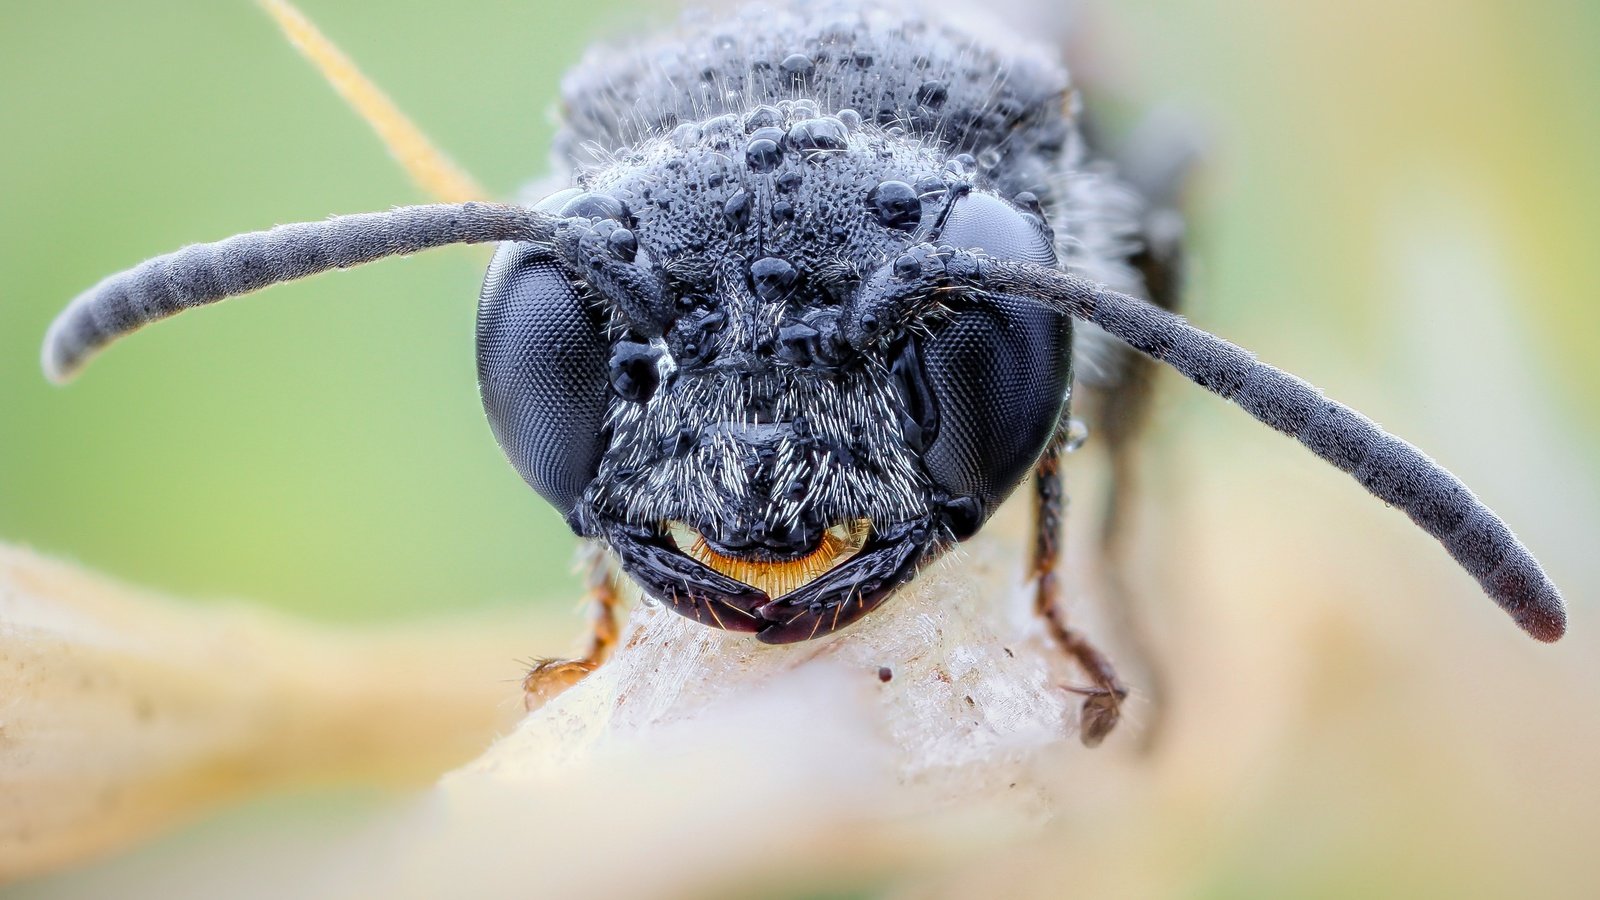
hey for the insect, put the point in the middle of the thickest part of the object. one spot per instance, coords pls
(823, 292)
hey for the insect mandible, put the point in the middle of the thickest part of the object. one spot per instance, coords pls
(817, 301)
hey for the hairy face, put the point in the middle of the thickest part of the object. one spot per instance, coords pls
(764, 431)
(756, 415)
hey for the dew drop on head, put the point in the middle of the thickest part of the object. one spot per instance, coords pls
(1077, 435)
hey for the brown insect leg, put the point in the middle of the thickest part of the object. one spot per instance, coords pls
(1120, 412)
(1124, 604)
(1102, 704)
(1157, 160)
(549, 677)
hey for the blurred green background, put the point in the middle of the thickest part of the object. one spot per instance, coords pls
(321, 447)
(1400, 205)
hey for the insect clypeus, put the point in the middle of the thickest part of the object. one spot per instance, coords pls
(816, 303)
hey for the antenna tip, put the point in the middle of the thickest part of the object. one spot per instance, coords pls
(57, 370)
(1524, 591)
(1547, 624)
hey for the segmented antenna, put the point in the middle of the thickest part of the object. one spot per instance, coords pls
(205, 273)
(1391, 469)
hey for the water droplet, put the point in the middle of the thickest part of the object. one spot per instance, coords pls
(896, 205)
(989, 158)
(725, 124)
(772, 277)
(762, 156)
(782, 211)
(590, 205)
(554, 203)
(737, 211)
(789, 182)
(850, 118)
(797, 66)
(1077, 434)
(817, 134)
(930, 186)
(651, 602)
(763, 117)
(932, 94)
(908, 266)
(763, 153)
(686, 135)
(623, 244)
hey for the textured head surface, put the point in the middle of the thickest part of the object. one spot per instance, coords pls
(764, 224)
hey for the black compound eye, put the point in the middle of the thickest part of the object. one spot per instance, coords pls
(998, 374)
(994, 377)
(985, 222)
(543, 372)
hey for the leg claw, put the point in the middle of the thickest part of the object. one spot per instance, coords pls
(1101, 711)
(550, 677)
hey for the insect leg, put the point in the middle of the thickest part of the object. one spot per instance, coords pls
(1102, 704)
(1389, 468)
(549, 677)
(1118, 414)
(1119, 411)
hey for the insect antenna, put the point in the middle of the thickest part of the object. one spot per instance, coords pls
(205, 273)
(430, 169)
(1388, 467)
